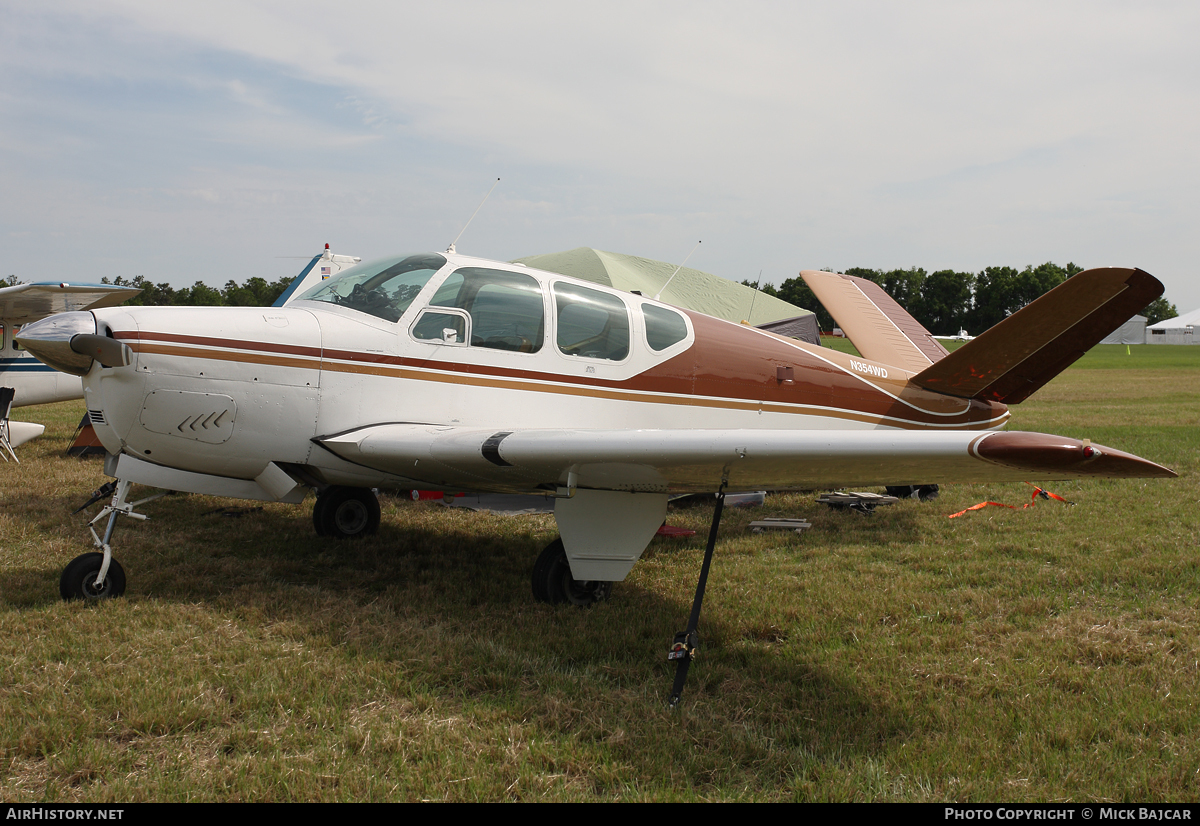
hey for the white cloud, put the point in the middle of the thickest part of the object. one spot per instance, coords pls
(787, 135)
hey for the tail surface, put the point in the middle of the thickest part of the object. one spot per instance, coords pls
(880, 329)
(319, 269)
(1023, 352)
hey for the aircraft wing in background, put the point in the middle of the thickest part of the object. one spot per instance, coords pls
(24, 303)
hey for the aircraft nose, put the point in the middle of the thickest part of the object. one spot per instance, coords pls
(68, 342)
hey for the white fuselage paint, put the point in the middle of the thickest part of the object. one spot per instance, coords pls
(310, 369)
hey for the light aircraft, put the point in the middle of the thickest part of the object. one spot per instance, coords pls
(322, 267)
(443, 371)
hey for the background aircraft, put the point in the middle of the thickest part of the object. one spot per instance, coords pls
(38, 383)
(321, 268)
(33, 381)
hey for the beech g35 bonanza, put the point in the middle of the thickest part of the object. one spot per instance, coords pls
(441, 371)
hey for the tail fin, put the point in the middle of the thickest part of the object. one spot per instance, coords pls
(321, 267)
(1033, 345)
(880, 328)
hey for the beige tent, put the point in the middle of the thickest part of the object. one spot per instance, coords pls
(690, 289)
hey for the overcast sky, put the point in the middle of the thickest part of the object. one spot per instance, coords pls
(208, 141)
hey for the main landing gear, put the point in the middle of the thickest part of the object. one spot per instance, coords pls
(552, 581)
(346, 513)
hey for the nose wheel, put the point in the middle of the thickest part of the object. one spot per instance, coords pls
(96, 576)
(78, 579)
(346, 513)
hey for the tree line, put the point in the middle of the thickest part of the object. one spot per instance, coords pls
(947, 301)
(256, 292)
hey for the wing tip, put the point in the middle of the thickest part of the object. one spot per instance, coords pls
(1044, 454)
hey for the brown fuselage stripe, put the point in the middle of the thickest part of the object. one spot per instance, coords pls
(455, 377)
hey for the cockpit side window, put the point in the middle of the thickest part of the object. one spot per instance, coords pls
(383, 288)
(591, 324)
(663, 327)
(507, 310)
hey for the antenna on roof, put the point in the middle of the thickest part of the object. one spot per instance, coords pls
(450, 249)
(750, 314)
(677, 269)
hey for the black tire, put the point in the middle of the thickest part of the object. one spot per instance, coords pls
(927, 492)
(901, 491)
(553, 583)
(346, 513)
(78, 580)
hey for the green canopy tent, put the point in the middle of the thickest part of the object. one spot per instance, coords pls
(690, 289)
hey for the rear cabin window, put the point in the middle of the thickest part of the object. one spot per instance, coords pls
(504, 311)
(591, 324)
(663, 327)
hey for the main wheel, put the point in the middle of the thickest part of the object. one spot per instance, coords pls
(346, 513)
(78, 580)
(553, 583)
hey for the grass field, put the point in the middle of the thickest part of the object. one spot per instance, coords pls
(1048, 654)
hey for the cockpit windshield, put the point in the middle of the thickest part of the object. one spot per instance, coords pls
(383, 288)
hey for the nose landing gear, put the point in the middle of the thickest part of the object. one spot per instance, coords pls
(96, 576)
(79, 578)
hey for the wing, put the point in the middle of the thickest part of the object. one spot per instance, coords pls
(24, 303)
(698, 460)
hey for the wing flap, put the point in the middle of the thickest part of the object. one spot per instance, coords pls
(880, 328)
(698, 460)
(1023, 352)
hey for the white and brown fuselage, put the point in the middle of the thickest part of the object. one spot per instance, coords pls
(339, 396)
(226, 391)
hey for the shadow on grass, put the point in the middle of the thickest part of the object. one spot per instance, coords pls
(444, 595)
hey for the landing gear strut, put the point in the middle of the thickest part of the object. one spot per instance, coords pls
(346, 513)
(553, 583)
